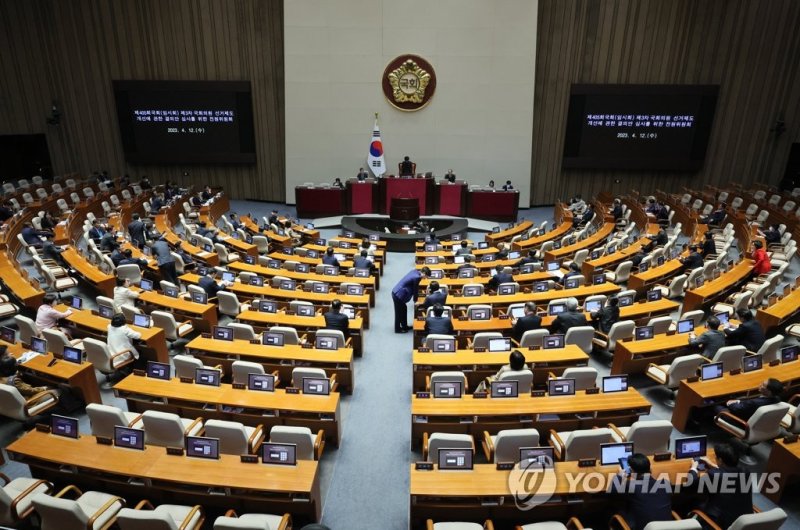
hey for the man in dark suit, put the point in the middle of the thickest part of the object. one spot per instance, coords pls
(717, 216)
(362, 261)
(406, 290)
(96, 232)
(362, 174)
(462, 249)
(693, 261)
(749, 333)
(437, 324)
(525, 323)
(659, 239)
(709, 245)
(435, 296)
(648, 498)
(406, 167)
(571, 318)
(574, 270)
(335, 319)
(585, 218)
(607, 316)
(450, 176)
(128, 259)
(136, 230)
(209, 284)
(616, 209)
(273, 217)
(6, 212)
(530, 258)
(769, 392)
(737, 499)
(207, 194)
(498, 278)
(508, 186)
(156, 203)
(329, 258)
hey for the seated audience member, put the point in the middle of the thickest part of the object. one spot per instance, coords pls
(436, 295)
(450, 176)
(762, 264)
(616, 209)
(156, 203)
(196, 201)
(716, 217)
(769, 393)
(709, 341)
(362, 261)
(128, 259)
(663, 215)
(648, 499)
(529, 321)
(144, 183)
(574, 270)
(607, 315)
(48, 222)
(123, 294)
(108, 242)
(367, 245)
(530, 258)
(117, 256)
(406, 167)
(498, 278)
(273, 218)
(693, 261)
(210, 285)
(637, 258)
(290, 232)
(188, 260)
(771, 235)
(652, 207)
(508, 186)
(121, 337)
(330, 259)
(362, 174)
(516, 362)
(748, 334)
(502, 251)
(570, 318)
(6, 212)
(31, 235)
(724, 507)
(207, 194)
(437, 324)
(97, 231)
(577, 205)
(335, 319)
(659, 239)
(462, 249)
(337, 183)
(53, 252)
(47, 316)
(207, 231)
(709, 245)
(235, 223)
(10, 376)
(583, 219)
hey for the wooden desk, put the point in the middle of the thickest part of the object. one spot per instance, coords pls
(477, 366)
(642, 281)
(610, 261)
(262, 321)
(716, 289)
(16, 280)
(284, 359)
(226, 403)
(380, 245)
(380, 254)
(634, 356)
(781, 312)
(562, 413)
(101, 281)
(135, 475)
(707, 393)
(522, 279)
(553, 235)
(198, 254)
(593, 240)
(542, 299)
(508, 233)
(372, 283)
(203, 316)
(237, 245)
(784, 459)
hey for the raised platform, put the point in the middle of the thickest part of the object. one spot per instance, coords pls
(366, 225)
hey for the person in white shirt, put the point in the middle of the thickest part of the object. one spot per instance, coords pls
(123, 294)
(47, 316)
(368, 246)
(121, 337)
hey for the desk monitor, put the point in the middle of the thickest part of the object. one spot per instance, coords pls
(480, 314)
(466, 273)
(257, 281)
(556, 309)
(556, 245)
(571, 283)
(250, 260)
(643, 266)
(305, 310)
(355, 290)
(310, 254)
(541, 287)
(280, 454)
(536, 457)
(432, 260)
(456, 237)
(710, 371)
(660, 260)
(143, 321)
(644, 332)
(273, 264)
(751, 363)
(105, 311)
(599, 279)
(261, 382)
(611, 249)
(459, 459)
(615, 383)
(376, 237)
(199, 298)
(471, 290)
(77, 302)
(326, 343)
(73, 355)
(207, 376)
(596, 254)
(611, 453)
(500, 344)
(505, 389)
(8, 334)
(222, 333)
(317, 386)
(592, 305)
(724, 318)
(64, 426)
(228, 276)
(458, 260)
(208, 248)
(288, 285)
(443, 345)
(789, 354)
(200, 447)
(321, 242)
(172, 292)
(430, 247)
(528, 268)
(691, 447)
(553, 266)
(685, 326)
(698, 282)
(310, 226)
(158, 370)
(552, 342)
(267, 306)
(507, 289)
(302, 267)
(270, 338)
(146, 285)
(654, 295)
(514, 255)
(349, 234)
(561, 387)
(130, 438)
(448, 389)
(482, 245)
(518, 311)
(194, 241)
(625, 300)
(488, 257)
(349, 311)
(39, 345)
(436, 274)
(202, 271)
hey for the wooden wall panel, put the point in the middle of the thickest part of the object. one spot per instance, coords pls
(70, 51)
(749, 47)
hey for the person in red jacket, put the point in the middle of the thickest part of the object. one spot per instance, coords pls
(762, 263)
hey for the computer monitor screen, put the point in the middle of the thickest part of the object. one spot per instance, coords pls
(305, 310)
(596, 254)
(199, 298)
(281, 454)
(194, 241)
(505, 389)
(8, 334)
(533, 457)
(436, 274)
(471, 290)
(274, 264)
(250, 260)
(200, 447)
(208, 248)
(500, 344)
(592, 305)
(698, 282)
(222, 333)
(448, 389)
(349, 234)
(130, 438)
(105, 311)
(310, 254)
(364, 273)
(310, 226)
(507, 289)
(518, 311)
(611, 249)
(262, 382)
(598, 279)
(466, 273)
(625, 300)
(455, 459)
(228, 276)
(64, 426)
(355, 290)
(615, 383)
(482, 245)
(555, 309)
(430, 247)
(267, 306)
(552, 342)
(661, 259)
(146, 285)
(751, 363)
(38, 345)
(206, 376)
(443, 345)
(789, 354)
(272, 339)
(644, 332)
(643, 266)
(541, 287)
(513, 255)
(326, 343)
(321, 242)
(302, 267)
(556, 245)
(691, 447)
(610, 454)
(288, 285)
(480, 314)
(711, 371)
(685, 326)
(319, 386)
(571, 283)
(158, 370)
(77, 302)
(723, 318)
(256, 281)
(73, 355)
(456, 237)
(553, 266)
(143, 321)
(653, 295)
(172, 292)
(561, 387)
(349, 311)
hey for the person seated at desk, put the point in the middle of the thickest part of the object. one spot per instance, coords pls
(117, 256)
(32, 236)
(156, 203)
(516, 363)
(291, 233)
(335, 319)
(762, 264)
(527, 322)
(136, 230)
(123, 294)
(771, 235)
(502, 251)
(48, 222)
(748, 334)
(508, 186)
(737, 499)
(273, 218)
(406, 167)
(606, 316)
(710, 341)
(6, 212)
(196, 201)
(188, 260)
(362, 261)
(576, 205)
(709, 246)
(210, 285)
(47, 316)
(693, 261)
(716, 217)
(659, 239)
(616, 209)
(97, 231)
(437, 324)
(462, 249)
(649, 499)
(450, 176)
(652, 207)
(9, 376)
(330, 259)
(581, 220)
(120, 336)
(637, 258)
(530, 258)
(367, 245)
(108, 242)
(498, 278)
(128, 259)
(574, 270)
(337, 183)
(53, 252)
(570, 318)
(491, 184)
(362, 175)
(210, 232)
(436, 295)
(234, 220)
(207, 194)
(769, 391)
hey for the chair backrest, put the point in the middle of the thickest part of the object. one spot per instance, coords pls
(129, 311)
(290, 335)
(165, 321)
(581, 256)
(12, 404)
(478, 307)
(508, 442)
(242, 331)
(620, 330)
(56, 340)
(130, 519)
(581, 336)
(683, 367)
(770, 520)
(130, 271)
(660, 324)
(449, 377)
(228, 303)
(27, 328)
(765, 423)
(103, 419)
(185, 365)
(58, 513)
(241, 369)
(524, 379)
(730, 357)
(434, 336)
(481, 340)
(301, 436)
(305, 371)
(677, 286)
(683, 524)
(623, 271)
(98, 354)
(164, 429)
(586, 443)
(650, 437)
(770, 350)
(335, 333)
(233, 439)
(584, 376)
(441, 440)
(533, 338)
(696, 316)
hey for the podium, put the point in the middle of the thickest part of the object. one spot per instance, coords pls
(493, 205)
(314, 202)
(417, 188)
(404, 209)
(451, 198)
(362, 196)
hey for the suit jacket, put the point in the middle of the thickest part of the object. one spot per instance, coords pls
(406, 168)
(711, 341)
(569, 275)
(210, 286)
(408, 287)
(745, 408)
(162, 253)
(606, 317)
(693, 261)
(362, 176)
(709, 247)
(725, 508)
(362, 263)
(338, 321)
(568, 319)
(526, 323)
(438, 325)
(749, 334)
(137, 232)
(499, 278)
(439, 297)
(647, 501)
(330, 260)
(96, 233)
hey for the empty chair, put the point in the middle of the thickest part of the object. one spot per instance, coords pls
(763, 425)
(660, 324)
(696, 316)
(576, 445)
(57, 340)
(290, 335)
(581, 336)
(439, 440)
(618, 522)
(166, 429)
(621, 273)
(648, 436)
(186, 366)
(240, 371)
(335, 334)
(58, 284)
(524, 379)
(130, 311)
(103, 419)
(428, 342)
(430, 525)
(533, 338)
(235, 438)
(505, 445)
(675, 289)
(447, 377)
(14, 406)
(229, 304)
(771, 348)
(27, 329)
(474, 308)
(261, 243)
(224, 255)
(769, 520)
(99, 354)
(295, 304)
(309, 445)
(252, 521)
(172, 330)
(242, 331)
(730, 357)
(671, 375)
(301, 372)
(584, 376)
(791, 421)
(130, 272)
(481, 340)
(92, 510)
(163, 517)
(16, 496)
(619, 331)
(735, 302)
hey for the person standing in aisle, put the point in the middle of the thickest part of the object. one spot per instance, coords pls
(406, 290)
